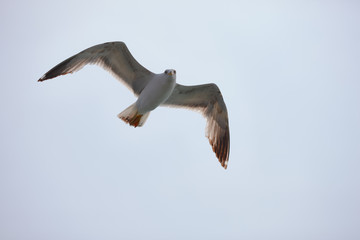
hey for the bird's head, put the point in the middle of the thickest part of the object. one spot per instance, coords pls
(170, 72)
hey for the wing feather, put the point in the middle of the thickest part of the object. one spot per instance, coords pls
(208, 100)
(112, 56)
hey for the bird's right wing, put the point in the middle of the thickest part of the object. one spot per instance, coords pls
(208, 100)
(112, 56)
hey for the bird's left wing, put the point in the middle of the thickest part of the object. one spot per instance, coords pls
(112, 56)
(208, 100)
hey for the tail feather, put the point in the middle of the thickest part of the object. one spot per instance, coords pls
(133, 117)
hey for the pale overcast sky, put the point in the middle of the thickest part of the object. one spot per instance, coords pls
(289, 74)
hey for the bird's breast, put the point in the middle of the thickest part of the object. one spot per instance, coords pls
(155, 93)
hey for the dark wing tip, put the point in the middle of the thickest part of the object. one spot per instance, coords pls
(221, 148)
(60, 69)
(46, 77)
(43, 78)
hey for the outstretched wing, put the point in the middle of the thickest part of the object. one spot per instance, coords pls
(208, 100)
(112, 56)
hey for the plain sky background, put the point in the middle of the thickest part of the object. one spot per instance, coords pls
(289, 72)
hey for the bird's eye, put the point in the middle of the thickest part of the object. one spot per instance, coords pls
(175, 71)
(166, 71)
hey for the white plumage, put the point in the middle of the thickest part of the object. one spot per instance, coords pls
(155, 90)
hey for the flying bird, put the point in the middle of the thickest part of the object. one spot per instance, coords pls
(155, 90)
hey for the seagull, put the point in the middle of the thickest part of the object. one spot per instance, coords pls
(155, 90)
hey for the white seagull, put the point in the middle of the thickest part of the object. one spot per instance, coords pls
(155, 90)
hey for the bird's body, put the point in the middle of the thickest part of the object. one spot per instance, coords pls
(155, 90)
